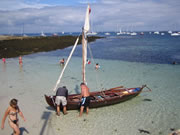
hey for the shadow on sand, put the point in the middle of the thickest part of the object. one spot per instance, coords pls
(22, 129)
(50, 108)
(46, 116)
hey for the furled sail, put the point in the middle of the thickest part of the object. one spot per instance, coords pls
(87, 18)
(84, 42)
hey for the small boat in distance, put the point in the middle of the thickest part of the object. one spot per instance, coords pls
(162, 33)
(42, 34)
(133, 34)
(169, 31)
(91, 33)
(101, 97)
(120, 32)
(54, 34)
(141, 33)
(156, 32)
(107, 33)
(175, 34)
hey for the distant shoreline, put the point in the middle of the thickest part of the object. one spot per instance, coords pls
(14, 46)
(4, 37)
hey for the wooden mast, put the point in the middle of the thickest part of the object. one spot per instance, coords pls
(83, 56)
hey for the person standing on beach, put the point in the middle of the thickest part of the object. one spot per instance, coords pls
(20, 60)
(4, 60)
(61, 98)
(12, 113)
(85, 95)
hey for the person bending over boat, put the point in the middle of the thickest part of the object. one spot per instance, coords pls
(61, 98)
(13, 111)
(85, 95)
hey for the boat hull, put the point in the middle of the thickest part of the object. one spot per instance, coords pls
(99, 98)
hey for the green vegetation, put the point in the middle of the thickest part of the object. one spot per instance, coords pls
(23, 46)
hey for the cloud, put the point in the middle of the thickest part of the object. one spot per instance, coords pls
(9, 5)
(106, 15)
(140, 14)
(46, 19)
(87, 1)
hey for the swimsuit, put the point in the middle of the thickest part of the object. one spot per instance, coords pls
(14, 121)
(12, 113)
(85, 101)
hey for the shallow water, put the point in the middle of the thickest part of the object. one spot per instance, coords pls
(157, 111)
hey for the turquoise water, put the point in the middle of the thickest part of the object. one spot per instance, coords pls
(157, 111)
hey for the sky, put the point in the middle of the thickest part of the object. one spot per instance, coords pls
(35, 16)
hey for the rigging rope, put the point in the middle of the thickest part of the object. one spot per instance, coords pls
(93, 62)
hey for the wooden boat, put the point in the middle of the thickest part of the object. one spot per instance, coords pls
(99, 98)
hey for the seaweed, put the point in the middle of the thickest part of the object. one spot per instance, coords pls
(24, 46)
(144, 131)
(146, 99)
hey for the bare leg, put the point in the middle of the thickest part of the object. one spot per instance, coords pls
(64, 110)
(81, 111)
(87, 110)
(58, 110)
(15, 128)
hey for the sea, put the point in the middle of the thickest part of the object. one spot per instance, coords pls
(125, 60)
